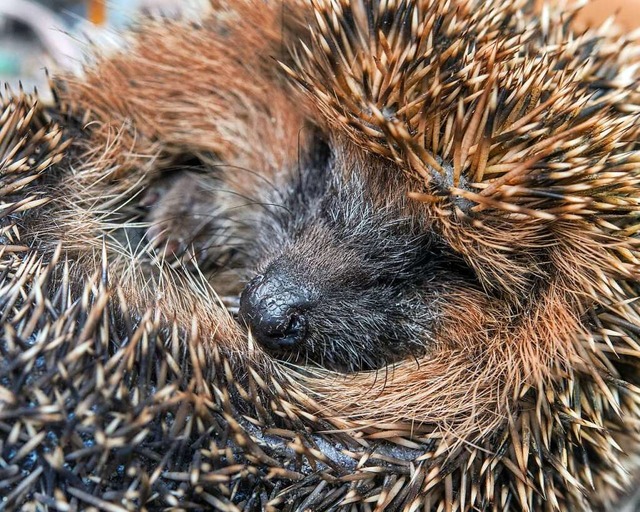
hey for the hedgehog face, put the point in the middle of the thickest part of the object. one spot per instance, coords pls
(341, 269)
(347, 278)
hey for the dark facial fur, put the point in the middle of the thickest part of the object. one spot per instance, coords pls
(340, 273)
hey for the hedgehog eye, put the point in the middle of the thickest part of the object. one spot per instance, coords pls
(320, 154)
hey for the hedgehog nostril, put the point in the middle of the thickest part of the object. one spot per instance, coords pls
(274, 310)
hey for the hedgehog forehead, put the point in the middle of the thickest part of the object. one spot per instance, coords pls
(339, 216)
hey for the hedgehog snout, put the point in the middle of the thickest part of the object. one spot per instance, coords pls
(275, 311)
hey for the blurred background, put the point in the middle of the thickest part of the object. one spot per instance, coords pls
(39, 34)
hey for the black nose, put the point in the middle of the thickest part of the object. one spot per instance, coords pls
(275, 311)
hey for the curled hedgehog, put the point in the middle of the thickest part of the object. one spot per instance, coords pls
(425, 213)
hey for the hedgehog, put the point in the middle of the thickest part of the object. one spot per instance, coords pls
(424, 214)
